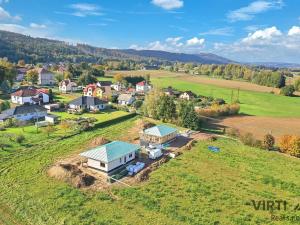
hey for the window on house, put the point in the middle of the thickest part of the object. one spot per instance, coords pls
(102, 164)
(130, 155)
(120, 160)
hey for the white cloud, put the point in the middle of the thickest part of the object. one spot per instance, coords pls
(4, 15)
(174, 44)
(34, 31)
(4, 1)
(168, 4)
(224, 31)
(38, 26)
(256, 7)
(195, 41)
(85, 9)
(264, 45)
(295, 30)
(260, 35)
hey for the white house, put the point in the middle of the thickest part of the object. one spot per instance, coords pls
(67, 85)
(24, 113)
(125, 99)
(117, 86)
(187, 95)
(143, 87)
(88, 103)
(30, 95)
(111, 156)
(45, 77)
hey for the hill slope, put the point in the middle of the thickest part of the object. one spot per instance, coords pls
(33, 50)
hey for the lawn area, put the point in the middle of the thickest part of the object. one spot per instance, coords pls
(252, 103)
(102, 116)
(199, 187)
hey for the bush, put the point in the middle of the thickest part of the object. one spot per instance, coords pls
(248, 139)
(268, 142)
(287, 90)
(219, 110)
(20, 138)
(233, 132)
(290, 144)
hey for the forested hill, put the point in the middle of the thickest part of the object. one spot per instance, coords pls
(36, 50)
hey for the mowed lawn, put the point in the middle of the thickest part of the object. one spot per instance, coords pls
(251, 102)
(198, 187)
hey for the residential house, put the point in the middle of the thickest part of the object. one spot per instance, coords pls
(93, 90)
(104, 83)
(125, 99)
(117, 86)
(187, 95)
(143, 86)
(171, 92)
(67, 85)
(110, 156)
(24, 113)
(51, 118)
(45, 77)
(30, 95)
(21, 71)
(158, 134)
(87, 103)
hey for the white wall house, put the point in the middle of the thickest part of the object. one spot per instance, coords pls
(125, 99)
(143, 87)
(88, 103)
(30, 95)
(66, 86)
(117, 86)
(46, 77)
(24, 113)
(110, 156)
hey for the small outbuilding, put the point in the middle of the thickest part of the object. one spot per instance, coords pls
(52, 119)
(159, 134)
(110, 156)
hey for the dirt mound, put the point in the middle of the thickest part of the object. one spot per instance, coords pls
(71, 174)
(98, 141)
(143, 124)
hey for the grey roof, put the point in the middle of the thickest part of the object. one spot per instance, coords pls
(125, 97)
(111, 151)
(22, 109)
(104, 83)
(160, 131)
(88, 101)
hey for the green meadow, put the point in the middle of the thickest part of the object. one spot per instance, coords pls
(198, 187)
(251, 102)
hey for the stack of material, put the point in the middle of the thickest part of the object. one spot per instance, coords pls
(133, 169)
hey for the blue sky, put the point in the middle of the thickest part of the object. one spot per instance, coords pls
(243, 30)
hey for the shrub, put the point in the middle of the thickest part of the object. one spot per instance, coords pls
(248, 139)
(287, 90)
(268, 142)
(290, 144)
(219, 110)
(234, 132)
(20, 138)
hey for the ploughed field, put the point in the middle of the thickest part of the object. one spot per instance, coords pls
(198, 187)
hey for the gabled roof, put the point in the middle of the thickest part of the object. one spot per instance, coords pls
(104, 83)
(23, 109)
(160, 130)
(29, 91)
(124, 97)
(88, 101)
(111, 151)
(93, 86)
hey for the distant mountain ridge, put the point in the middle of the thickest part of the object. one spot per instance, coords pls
(16, 46)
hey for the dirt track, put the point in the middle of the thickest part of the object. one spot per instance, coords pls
(260, 126)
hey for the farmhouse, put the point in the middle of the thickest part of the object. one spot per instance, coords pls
(110, 156)
(158, 135)
(45, 77)
(187, 95)
(171, 92)
(93, 90)
(30, 95)
(24, 113)
(117, 86)
(87, 103)
(66, 86)
(143, 86)
(125, 99)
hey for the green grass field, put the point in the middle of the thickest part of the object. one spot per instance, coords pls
(252, 103)
(199, 187)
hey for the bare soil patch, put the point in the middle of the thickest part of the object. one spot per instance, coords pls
(260, 126)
